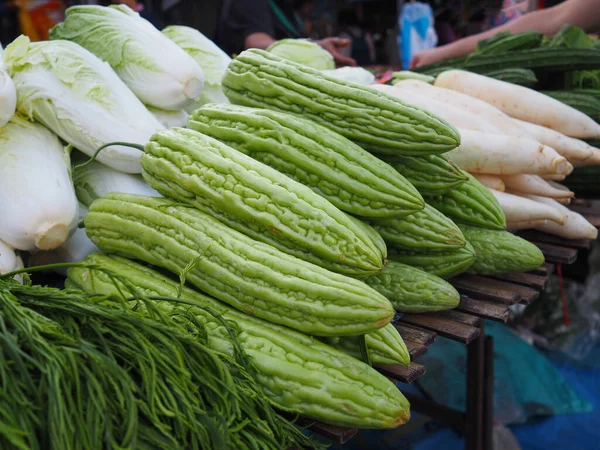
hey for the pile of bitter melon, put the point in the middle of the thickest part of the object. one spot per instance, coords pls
(305, 213)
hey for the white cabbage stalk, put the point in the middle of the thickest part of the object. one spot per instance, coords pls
(304, 52)
(8, 258)
(170, 119)
(76, 249)
(353, 74)
(95, 180)
(38, 207)
(8, 93)
(81, 99)
(159, 72)
(209, 56)
(10, 261)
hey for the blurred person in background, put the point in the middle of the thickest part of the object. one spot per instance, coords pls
(247, 24)
(581, 13)
(362, 43)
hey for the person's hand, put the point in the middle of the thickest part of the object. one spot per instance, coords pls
(332, 45)
(426, 57)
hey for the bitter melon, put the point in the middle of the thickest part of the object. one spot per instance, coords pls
(376, 121)
(444, 264)
(334, 167)
(413, 290)
(426, 230)
(471, 203)
(256, 200)
(327, 384)
(431, 175)
(376, 238)
(501, 252)
(250, 276)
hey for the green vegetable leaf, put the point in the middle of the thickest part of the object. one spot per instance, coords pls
(571, 37)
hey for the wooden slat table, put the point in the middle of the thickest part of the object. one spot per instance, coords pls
(482, 297)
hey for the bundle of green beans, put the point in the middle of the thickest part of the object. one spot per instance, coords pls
(83, 372)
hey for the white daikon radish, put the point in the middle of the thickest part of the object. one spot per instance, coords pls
(575, 226)
(553, 177)
(533, 184)
(570, 148)
(477, 107)
(455, 116)
(563, 201)
(500, 154)
(558, 186)
(522, 209)
(521, 103)
(525, 225)
(76, 249)
(38, 208)
(593, 160)
(490, 181)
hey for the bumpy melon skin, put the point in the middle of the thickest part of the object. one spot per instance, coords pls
(501, 252)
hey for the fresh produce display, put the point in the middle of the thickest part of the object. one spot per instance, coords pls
(290, 353)
(349, 177)
(427, 230)
(501, 251)
(283, 215)
(260, 79)
(83, 373)
(37, 199)
(81, 99)
(8, 93)
(156, 69)
(413, 290)
(209, 56)
(303, 52)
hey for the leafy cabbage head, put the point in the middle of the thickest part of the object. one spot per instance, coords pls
(160, 73)
(304, 52)
(37, 201)
(208, 55)
(80, 98)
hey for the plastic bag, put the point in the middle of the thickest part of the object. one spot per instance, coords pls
(417, 32)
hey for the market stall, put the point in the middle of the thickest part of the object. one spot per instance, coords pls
(306, 231)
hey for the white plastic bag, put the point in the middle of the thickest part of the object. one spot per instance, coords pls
(417, 32)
